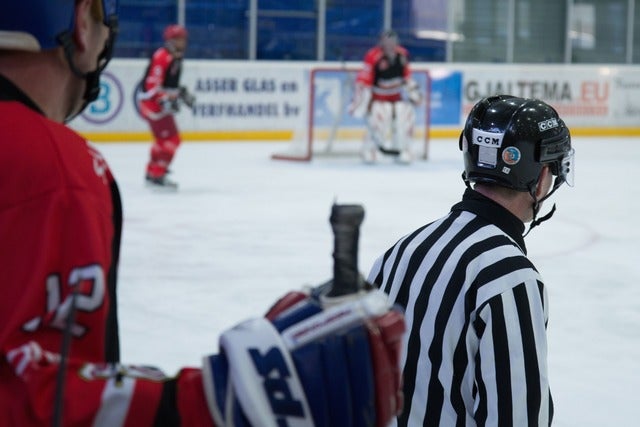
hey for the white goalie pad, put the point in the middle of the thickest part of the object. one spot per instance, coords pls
(360, 102)
(405, 119)
(392, 121)
(380, 122)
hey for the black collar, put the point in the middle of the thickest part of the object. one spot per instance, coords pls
(494, 213)
(11, 92)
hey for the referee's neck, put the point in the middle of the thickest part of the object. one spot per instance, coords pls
(517, 202)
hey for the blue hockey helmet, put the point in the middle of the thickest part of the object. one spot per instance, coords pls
(38, 24)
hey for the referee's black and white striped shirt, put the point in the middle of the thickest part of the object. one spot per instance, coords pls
(476, 310)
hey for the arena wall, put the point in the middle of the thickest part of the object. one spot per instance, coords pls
(263, 100)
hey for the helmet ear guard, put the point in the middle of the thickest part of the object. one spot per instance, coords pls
(558, 154)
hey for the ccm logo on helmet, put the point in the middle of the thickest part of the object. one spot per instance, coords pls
(548, 124)
(488, 139)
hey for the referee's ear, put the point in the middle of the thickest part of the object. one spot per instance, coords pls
(545, 181)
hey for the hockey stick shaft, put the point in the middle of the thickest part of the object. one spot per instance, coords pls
(67, 336)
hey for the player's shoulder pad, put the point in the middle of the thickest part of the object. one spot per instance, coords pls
(374, 54)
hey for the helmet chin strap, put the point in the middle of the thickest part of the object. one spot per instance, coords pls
(537, 204)
(543, 218)
(92, 78)
(466, 181)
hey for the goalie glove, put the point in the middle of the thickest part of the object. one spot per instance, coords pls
(360, 103)
(413, 92)
(310, 363)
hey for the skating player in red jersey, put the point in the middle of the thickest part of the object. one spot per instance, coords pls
(159, 100)
(60, 228)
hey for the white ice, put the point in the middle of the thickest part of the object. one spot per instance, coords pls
(243, 229)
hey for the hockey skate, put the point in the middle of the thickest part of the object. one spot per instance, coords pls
(369, 151)
(368, 155)
(404, 158)
(160, 183)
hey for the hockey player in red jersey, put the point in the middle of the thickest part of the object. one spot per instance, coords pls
(381, 88)
(159, 100)
(61, 221)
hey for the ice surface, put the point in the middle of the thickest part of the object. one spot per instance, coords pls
(243, 229)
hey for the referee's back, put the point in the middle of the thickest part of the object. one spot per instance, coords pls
(475, 351)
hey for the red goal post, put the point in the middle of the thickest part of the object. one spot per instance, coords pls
(329, 130)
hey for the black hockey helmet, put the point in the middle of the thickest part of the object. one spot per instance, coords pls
(506, 141)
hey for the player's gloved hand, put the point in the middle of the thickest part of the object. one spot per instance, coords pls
(311, 362)
(170, 105)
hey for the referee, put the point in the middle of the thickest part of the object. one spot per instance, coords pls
(476, 307)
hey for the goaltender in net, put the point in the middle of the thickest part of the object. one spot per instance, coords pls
(381, 88)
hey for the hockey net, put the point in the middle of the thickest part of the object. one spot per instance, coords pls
(330, 131)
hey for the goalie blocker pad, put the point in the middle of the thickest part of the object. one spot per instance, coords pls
(261, 377)
(310, 367)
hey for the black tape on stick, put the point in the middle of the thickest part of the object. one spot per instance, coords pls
(345, 222)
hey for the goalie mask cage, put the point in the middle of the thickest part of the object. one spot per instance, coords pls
(328, 130)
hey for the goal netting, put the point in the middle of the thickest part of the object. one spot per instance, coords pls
(328, 130)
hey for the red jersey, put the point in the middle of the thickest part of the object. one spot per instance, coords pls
(60, 222)
(161, 79)
(385, 76)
